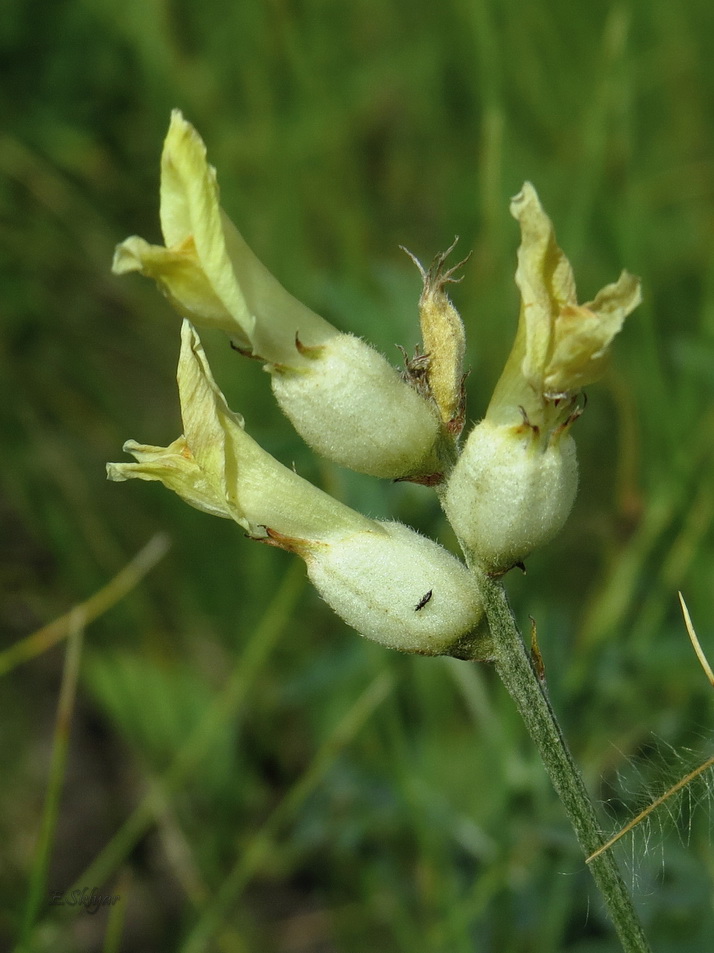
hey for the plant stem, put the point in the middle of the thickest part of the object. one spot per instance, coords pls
(527, 691)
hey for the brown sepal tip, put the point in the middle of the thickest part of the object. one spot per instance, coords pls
(497, 573)
(311, 351)
(568, 423)
(245, 351)
(416, 371)
(423, 479)
(435, 278)
(290, 544)
(527, 425)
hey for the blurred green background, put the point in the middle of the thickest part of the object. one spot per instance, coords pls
(341, 131)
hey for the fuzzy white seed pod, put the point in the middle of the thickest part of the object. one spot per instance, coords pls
(401, 589)
(511, 492)
(350, 405)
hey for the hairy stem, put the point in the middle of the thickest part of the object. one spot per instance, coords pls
(527, 691)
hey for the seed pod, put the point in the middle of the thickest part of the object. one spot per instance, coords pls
(350, 405)
(378, 583)
(511, 492)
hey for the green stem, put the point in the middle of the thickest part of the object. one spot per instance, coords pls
(527, 691)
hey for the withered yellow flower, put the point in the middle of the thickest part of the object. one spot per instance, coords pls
(205, 268)
(561, 346)
(342, 396)
(515, 482)
(566, 343)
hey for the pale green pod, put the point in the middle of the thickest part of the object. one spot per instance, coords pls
(400, 589)
(350, 405)
(511, 492)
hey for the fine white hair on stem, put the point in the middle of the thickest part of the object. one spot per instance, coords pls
(673, 798)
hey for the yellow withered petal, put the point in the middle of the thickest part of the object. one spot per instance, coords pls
(175, 467)
(565, 343)
(193, 269)
(544, 277)
(190, 212)
(218, 468)
(582, 335)
(180, 277)
(268, 315)
(206, 269)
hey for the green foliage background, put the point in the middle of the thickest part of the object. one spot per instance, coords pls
(341, 131)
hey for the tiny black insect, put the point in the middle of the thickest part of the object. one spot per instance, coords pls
(423, 601)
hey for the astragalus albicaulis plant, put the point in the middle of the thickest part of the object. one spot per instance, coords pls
(506, 490)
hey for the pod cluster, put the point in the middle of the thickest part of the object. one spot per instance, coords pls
(506, 491)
